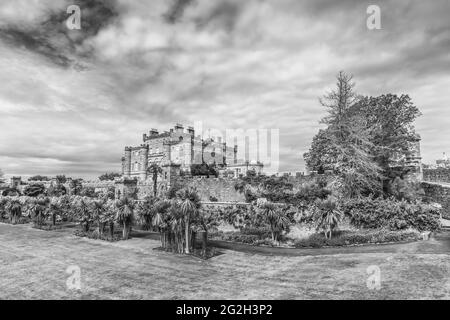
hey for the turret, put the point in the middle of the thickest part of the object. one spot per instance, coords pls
(191, 131)
(179, 128)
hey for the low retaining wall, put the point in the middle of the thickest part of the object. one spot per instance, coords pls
(438, 193)
(436, 175)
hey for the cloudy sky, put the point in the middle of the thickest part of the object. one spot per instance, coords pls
(70, 100)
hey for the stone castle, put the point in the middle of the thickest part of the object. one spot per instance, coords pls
(177, 150)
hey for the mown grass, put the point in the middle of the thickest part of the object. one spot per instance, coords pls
(33, 265)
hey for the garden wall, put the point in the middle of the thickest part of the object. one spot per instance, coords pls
(436, 175)
(220, 188)
(440, 194)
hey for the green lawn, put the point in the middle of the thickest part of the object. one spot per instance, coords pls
(33, 265)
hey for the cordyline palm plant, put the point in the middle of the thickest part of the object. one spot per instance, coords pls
(83, 211)
(3, 203)
(329, 215)
(146, 210)
(125, 215)
(155, 170)
(176, 224)
(161, 220)
(189, 206)
(55, 208)
(273, 215)
(109, 215)
(66, 207)
(14, 210)
(39, 210)
(98, 210)
(207, 218)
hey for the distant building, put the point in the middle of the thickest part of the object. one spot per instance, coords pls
(15, 182)
(444, 162)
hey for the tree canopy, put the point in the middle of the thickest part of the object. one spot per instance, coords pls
(364, 138)
(109, 176)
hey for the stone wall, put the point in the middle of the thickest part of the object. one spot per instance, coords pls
(440, 194)
(299, 181)
(436, 175)
(220, 188)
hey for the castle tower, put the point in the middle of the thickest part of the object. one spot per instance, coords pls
(143, 159)
(126, 162)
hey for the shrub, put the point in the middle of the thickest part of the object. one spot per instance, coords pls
(236, 237)
(376, 213)
(344, 238)
(34, 190)
(10, 192)
(262, 233)
(213, 199)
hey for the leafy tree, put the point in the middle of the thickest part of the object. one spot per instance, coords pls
(155, 170)
(61, 178)
(39, 178)
(109, 176)
(323, 153)
(75, 186)
(57, 190)
(34, 190)
(389, 122)
(346, 142)
(2, 177)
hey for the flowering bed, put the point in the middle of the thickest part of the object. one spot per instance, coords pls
(317, 240)
(345, 238)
